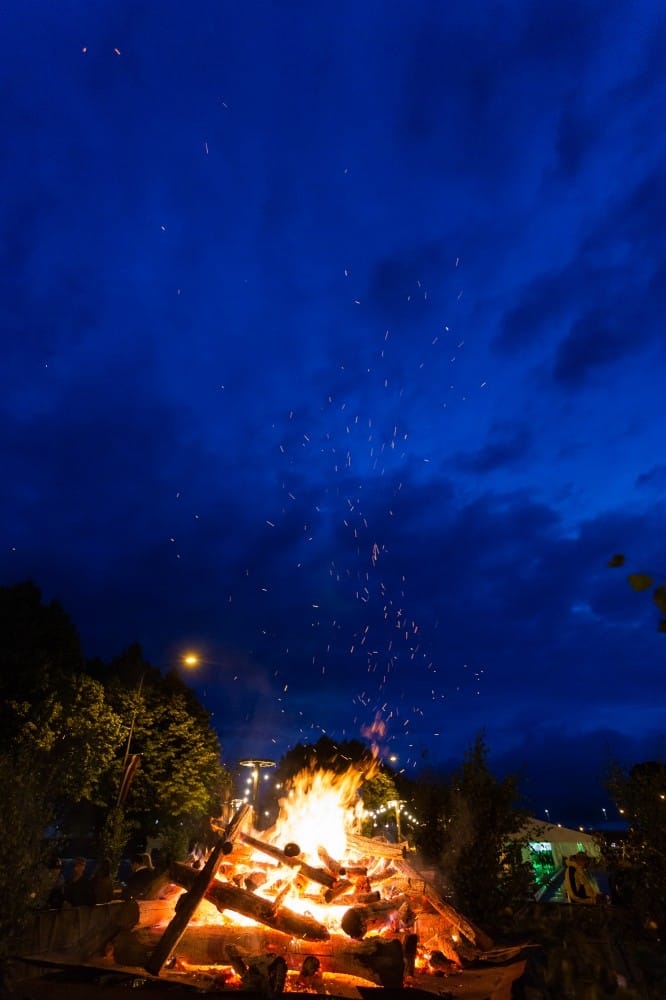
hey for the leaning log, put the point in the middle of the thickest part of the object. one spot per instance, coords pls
(225, 896)
(464, 927)
(188, 903)
(375, 848)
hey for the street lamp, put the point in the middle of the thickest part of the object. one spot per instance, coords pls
(255, 763)
(130, 764)
(396, 803)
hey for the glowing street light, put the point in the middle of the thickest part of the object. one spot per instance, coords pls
(255, 763)
(190, 660)
(396, 804)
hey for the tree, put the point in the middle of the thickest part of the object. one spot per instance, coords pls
(377, 792)
(64, 734)
(325, 754)
(481, 858)
(431, 800)
(640, 793)
(27, 810)
(180, 781)
(52, 755)
(39, 647)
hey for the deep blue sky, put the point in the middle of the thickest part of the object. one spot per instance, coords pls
(333, 346)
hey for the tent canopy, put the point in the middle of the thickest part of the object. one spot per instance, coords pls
(559, 840)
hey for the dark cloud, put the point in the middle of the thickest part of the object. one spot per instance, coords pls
(653, 479)
(594, 342)
(505, 445)
(334, 348)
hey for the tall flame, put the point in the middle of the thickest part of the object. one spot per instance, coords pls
(321, 807)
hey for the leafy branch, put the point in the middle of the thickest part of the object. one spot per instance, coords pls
(645, 581)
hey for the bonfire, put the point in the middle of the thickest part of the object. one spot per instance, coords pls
(309, 905)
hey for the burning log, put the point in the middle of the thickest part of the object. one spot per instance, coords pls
(358, 920)
(263, 974)
(230, 897)
(319, 875)
(384, 960)
(187, 904)
(376, 960)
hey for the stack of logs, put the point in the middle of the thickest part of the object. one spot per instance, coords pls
(378, 918)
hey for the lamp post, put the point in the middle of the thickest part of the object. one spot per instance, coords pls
(256, 763)
(130, 765)
(396, 803)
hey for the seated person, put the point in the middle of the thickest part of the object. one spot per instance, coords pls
(78, 889)
(579, 884)
(140, 880)
(102, 882)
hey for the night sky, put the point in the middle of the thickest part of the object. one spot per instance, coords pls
(333, 347)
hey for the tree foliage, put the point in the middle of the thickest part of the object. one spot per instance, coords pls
(430, 802)
(481, 857)
(640, 792)
(27, 810)
(326, 754)
(642, 581)
(64, 732)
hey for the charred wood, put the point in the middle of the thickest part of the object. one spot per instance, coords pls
(358, 920)
(230, 897)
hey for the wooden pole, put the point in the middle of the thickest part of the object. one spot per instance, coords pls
(188, 903)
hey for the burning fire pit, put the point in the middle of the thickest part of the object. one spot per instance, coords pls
(307, 906)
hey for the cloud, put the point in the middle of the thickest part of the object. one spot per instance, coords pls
(653, 479)
(506, 444)
(594, 342)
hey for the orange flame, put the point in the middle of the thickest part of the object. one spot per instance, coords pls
(320, 808)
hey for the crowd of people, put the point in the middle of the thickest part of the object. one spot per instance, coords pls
(57, 891)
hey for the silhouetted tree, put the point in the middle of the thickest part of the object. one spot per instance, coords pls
(64, 736)
(327, 754)
(39, 648)
(481, 857)
(430, 802)
(640, 793)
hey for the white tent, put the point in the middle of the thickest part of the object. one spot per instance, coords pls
(548, 845)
